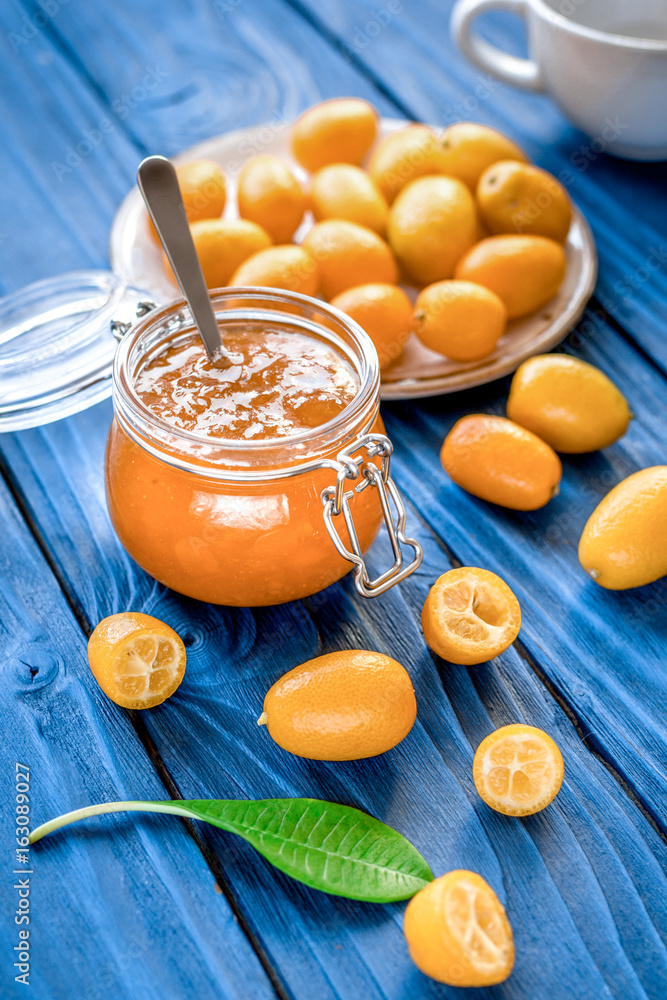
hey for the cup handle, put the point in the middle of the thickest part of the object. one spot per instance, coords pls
(524, 73)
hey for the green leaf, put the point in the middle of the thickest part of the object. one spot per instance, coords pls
(327, 846)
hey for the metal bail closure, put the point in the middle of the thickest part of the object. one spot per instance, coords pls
(336, 500)
(120, 327)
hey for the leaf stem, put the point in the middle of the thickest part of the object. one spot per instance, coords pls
(105, 807)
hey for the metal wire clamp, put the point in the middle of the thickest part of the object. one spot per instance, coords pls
(354, 465)
(120, 327)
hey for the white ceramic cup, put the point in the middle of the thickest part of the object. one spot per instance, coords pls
(603, 61)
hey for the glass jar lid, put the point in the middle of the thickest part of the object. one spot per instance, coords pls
(57, 345)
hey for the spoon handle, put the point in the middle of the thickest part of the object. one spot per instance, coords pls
(158, 184)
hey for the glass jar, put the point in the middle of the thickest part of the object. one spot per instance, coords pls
(256, 522)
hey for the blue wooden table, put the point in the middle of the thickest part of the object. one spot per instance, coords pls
(148, 908)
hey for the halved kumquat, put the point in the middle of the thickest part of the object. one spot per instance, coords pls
(458, 933)
(518, 770)
(470, 616)
(136, 659)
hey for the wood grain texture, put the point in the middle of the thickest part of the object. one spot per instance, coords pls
(612, 353)
(625, 202)
(601, 650)
(585, 881)
(204, 70)
(124, 909)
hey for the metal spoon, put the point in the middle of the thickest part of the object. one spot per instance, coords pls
(158, 184)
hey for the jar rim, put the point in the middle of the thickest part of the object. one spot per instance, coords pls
(174, 445)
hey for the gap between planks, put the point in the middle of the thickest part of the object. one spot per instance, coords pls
(350, 57)
(171, 787)
(569, 710)
(598, 310)
(72, 58)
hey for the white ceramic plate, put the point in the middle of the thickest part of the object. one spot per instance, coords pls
(418, 372)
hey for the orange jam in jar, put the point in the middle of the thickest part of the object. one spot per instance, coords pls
(279, 384)
(226, 483)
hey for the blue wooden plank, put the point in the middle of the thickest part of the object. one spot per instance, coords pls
(68, 194)
(131, 910)
(601, 650)
(207, 735)
(239, 30)
(140, 93)
(536, 553)
(591, 870)
(414, 58)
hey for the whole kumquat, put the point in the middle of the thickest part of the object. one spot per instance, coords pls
(524, 271)
(431, 224)
(270, 195)
(341, 706)
(624, 541)
(222, 245)
(349, 255)
(459, 319)
(519, 198)
(337, 131)
(203, 189)
(290, 267)
(403, 156)
(570, 404)
(495, 459)
(343, 191)
(384, 311)
(468, 148)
